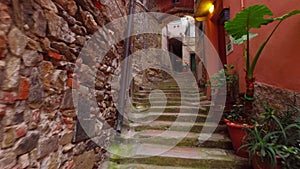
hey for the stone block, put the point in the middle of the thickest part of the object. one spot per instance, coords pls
(80, 161)
(66, 138)
(67, 102)
(23, 161)
(17, 41)
(35, 116)
(64, 50)
(68, 120)
(47, 146)
(36, 46)
(30, 58)
(35, 98)
(40, 23)
(3, 45)
(58, 28)
(89, 21)
(9, 137)
(68, 148)
(2, 110)
(24, 86)
(54, 161)
(12, 68)
(72, 83)
(8, 161)
(8, 97)
(18, 117)
(5, 19)
(55, 56)
(69, 113)
(46, 70)
(28, 143)
(71, 7)
(47, 4)
(58, 80)
(52, 102)
(21, 130)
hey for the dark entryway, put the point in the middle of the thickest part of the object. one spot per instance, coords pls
(175, 48)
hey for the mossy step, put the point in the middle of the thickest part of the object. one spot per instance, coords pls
(156, 99)
(168, 90)
(185, 139)
(161, 94)
(177, 126)
(112, 165)
(178, 156)
(169, 87)
(169, 102)
(170, 109)
(176, 99)
(184, 117)
(162, 103)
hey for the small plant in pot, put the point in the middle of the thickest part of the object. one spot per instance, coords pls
(239, 28)
(274, 143)
(237, 120)
(225, 78)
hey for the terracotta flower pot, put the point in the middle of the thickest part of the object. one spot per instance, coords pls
(257, 163)
(237, 133)
(226, 121)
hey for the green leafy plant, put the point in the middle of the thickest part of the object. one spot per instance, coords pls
(291, 156)
(239, 115)
(239, 28)
(225, 77)
(274, 137)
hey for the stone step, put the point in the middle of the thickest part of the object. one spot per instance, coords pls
(161, 94)
(171, 109)
(169, 90)
(162, 155)
(151, 116)
(178, 126)
(158, 99)
(161, 103)
(173, 102)
(112, 165)
(186, 139)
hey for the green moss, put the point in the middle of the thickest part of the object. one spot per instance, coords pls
(121, 150)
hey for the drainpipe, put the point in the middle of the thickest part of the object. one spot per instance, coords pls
(204, 54)
(125, 70)
(204, 44)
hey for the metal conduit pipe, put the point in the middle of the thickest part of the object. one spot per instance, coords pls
(125, 70)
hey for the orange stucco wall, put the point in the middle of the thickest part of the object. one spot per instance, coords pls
(279, 64)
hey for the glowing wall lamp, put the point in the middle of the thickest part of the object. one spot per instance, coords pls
(211, 8)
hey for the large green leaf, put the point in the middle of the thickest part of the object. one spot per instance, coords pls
(243, 38)
(288, 15)
(250, 17)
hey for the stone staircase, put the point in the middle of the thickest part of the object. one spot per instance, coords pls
(165, 134)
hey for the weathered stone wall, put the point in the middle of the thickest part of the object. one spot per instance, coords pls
(275, 97)
(40, 41)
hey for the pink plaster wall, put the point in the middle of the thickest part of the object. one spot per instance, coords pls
(279, 64)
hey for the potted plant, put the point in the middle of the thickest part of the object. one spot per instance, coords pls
(239, 28)
(237, 120)
(274, 143)
(225, 78)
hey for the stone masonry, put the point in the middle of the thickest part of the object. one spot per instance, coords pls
(40, 41)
